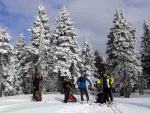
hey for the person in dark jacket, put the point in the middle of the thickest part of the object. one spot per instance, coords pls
(81, 82)
(36, 82)
(67, 85)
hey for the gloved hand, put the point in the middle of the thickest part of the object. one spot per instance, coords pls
(78, 87)
(67, 86)
(90, 86)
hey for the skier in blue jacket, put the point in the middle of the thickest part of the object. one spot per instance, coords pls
(81, 82)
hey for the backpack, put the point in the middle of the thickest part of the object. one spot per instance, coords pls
(72, 98)
(38, 96)
(101, 98)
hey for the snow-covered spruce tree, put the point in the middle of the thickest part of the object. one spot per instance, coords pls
(99, 62)
(123, 58)
(145, 44)
(20, 64)
(12, 71)
(25, 56)
(40, 31)
(66, 48)
(41, 40)
(6, 76)
(51, 80)
(29, 68)
(89, 62)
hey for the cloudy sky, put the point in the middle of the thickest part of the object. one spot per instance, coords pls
(93, 18)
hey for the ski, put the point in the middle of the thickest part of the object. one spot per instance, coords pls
(84, 103)
(63, 101)
(101, 104)
(34, 100)
(81, 102)
(108, 105)
(89, 103)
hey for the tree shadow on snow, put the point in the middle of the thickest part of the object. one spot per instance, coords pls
(136, 104)
(58, 99)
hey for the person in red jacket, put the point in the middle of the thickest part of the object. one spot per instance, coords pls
(36, 82)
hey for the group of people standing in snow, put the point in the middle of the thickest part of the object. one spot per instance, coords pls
(105, 82)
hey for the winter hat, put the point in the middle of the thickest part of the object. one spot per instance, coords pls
(104, 72)
(82, 73)
(67, 77)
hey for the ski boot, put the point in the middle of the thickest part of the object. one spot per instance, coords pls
(89, 102)
(81, 102)
(108, 104)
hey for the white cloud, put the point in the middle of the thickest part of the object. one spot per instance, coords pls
(97, 16)
(93, 18)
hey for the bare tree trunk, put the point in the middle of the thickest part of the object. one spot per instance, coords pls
(32, 77)
(140, 80)
(0, 80)
(141, 85)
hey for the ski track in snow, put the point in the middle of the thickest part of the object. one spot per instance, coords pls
(115, 109)
(94, 108)
(52, 104)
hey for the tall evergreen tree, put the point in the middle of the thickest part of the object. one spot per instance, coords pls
(89, 62)
(66, 48)
(100, 63)
(145, 44)
(40, 31)
(29, 68)
(123, 58)
(6, 76)
(41, 40)
(20, 64)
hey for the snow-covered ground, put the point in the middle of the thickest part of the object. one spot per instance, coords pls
(52, 104)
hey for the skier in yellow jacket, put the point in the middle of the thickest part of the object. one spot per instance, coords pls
(106, 83)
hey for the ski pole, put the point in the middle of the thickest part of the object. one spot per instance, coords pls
(78, 95)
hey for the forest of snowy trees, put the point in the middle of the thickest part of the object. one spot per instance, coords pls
(56, 53)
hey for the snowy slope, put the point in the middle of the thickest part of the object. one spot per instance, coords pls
(52, 104)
